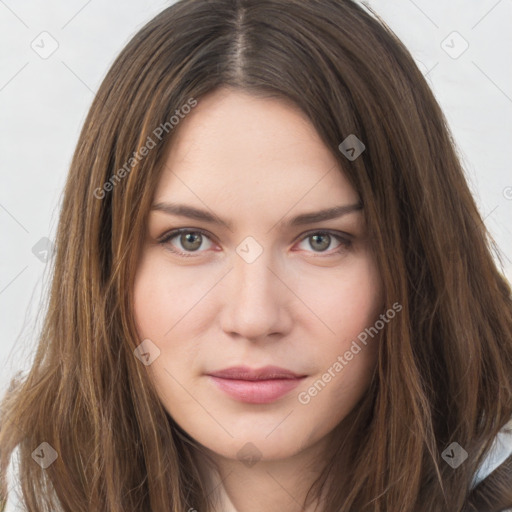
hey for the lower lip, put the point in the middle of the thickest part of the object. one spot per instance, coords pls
(256, 391)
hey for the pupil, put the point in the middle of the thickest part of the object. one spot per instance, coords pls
(325, 245)
(189, 238)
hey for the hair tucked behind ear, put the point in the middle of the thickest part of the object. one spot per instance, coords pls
(444, 371)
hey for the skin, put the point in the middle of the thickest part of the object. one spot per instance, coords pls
(256, 162)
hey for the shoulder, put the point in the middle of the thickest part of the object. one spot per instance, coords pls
(500, 451)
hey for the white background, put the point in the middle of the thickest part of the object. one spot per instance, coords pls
(44, 101)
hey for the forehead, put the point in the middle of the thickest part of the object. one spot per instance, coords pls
(252, 153)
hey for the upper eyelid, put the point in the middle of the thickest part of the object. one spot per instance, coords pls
(168, 235)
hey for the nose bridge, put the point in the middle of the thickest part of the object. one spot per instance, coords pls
(255, 301)
(251, 273)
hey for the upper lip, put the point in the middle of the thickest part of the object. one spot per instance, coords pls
(246, 373)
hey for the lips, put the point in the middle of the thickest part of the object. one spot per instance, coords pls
(256, 386)
(246, 373)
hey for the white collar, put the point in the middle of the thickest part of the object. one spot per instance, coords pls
(500, 450)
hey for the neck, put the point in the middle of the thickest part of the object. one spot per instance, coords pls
(271, 485)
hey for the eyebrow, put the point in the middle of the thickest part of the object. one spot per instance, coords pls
(191, 212)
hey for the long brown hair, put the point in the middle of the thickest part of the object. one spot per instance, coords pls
(444, 370)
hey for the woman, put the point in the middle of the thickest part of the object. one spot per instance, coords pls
(272, 287)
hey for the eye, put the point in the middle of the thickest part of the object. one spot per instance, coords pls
(320, 241)
(190, 240)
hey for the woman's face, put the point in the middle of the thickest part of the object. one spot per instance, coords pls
(256, 289)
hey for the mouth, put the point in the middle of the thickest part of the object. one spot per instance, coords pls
(256, 386)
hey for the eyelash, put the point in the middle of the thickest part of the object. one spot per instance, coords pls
(345, 243)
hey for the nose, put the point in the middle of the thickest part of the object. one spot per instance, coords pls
(257, 300)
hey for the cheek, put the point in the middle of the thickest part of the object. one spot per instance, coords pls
(345, 300)
(156, 312)
(163, 295)
(348, 305)
(147, 298)
(344, 364)
(156, 309)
